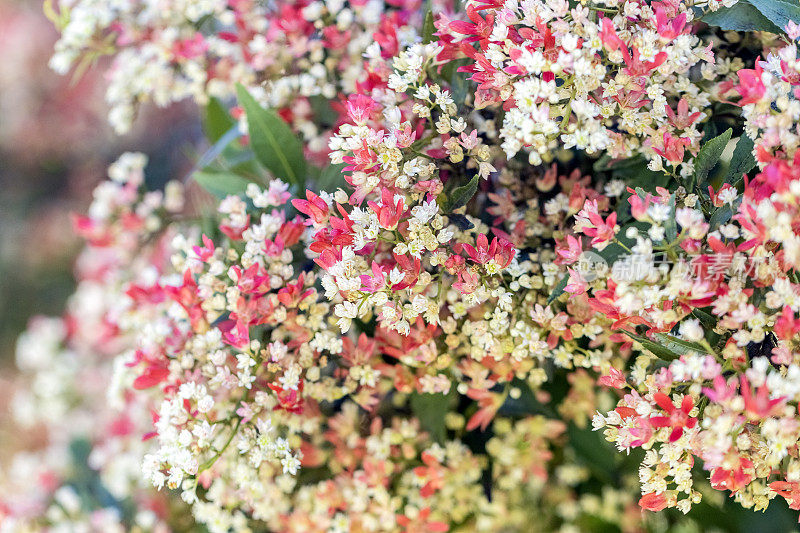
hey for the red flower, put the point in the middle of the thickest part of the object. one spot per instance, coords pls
(315, 207)
(673, 149)
(477, 30)
(759, 405)
(152, 376)
(501, 251)
(683, 119)
(390, 212)
(678, 419)
(790, 490)
(653, 501)
(734, 479)
(288, 400)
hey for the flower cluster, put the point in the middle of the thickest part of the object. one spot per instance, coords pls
(600, 78)
(412, 330)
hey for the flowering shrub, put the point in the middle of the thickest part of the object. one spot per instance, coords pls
(445, 241)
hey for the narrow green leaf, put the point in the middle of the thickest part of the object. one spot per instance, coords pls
(607, 163)
(558, 290)
(274, 144)
(679, 346)
(461, 195)
(428, 28)
(217, 122)
(779, 12)
(221, 184)
(742, 161)
(709, 155)
(742, 16)
(662, 352)
(708, 320)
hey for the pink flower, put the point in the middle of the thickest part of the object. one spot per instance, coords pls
(614, 378)
(360, 107)
(206, 251)
(673, 148)
(468, 282)
(669, 28)
(572, 252)
(501, 251)
(750, 87)
(639, 205)
(722, 391)
(610, 38)
(682, 119)
(589, 222)
(787, 326)
(759, 405)
(790, 490)
(190, 48)
(576, 283)
(375, 282)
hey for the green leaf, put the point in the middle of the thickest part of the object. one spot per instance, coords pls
(721, 216)
(679, 346)
(331, 178)
(709, 155)
(742, 161)
(779, 12)
(428, 28)
(431, 409)
(708, 320)
(459, 85)
(323, 112)
(558, 290)
(217, 122)
(594, 452)
(742, 16)
(461, 195)
(607, 163)
(221, 184)
(662, 352)
(275, 145)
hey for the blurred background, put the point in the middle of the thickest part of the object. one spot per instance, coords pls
(55, 145)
